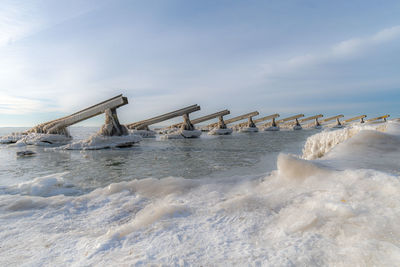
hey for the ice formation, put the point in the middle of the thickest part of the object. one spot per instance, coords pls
(11, 138)
(249, 129)
(180, 134)
(318, 145)
(217, 131)
(98, 141)
(144, 133)
(39, 139)
(305, 213)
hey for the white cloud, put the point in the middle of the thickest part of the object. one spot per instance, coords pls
(18, 105)
(72, 73)
(17, 20)
(341, 51)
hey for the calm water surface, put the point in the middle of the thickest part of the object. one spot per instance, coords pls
(208, 156)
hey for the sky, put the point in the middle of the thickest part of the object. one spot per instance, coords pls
(287, 57)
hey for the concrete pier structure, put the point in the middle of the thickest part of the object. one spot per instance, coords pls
(275, 126)
(337, 117)
(144, 124)
(112, 126)
(361, 118)
(142, 127)
(235, 119)
(378, 119)
(218, 114)
(317, 125)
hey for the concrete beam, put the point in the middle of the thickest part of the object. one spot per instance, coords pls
(141, 125)
(332, 118)
(204, 118)
(361, 118)
(379, 118)
(234, 119)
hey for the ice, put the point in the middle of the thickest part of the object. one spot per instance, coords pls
(98, 141)
(11, 138)
(39, 139)
(302, 214)
(318, 145)
(217, 131)
(180, 134)
(249, 129)
(49, 185)
(318, 212)
(144, 133)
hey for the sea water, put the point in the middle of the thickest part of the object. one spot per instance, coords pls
(310, 197)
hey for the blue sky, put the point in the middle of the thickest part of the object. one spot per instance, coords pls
(284, 57)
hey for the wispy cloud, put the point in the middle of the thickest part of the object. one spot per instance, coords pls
(54, 54)
(17, 20)
(19, 105)
(341, 51)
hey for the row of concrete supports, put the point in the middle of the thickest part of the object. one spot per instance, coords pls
(112, 126)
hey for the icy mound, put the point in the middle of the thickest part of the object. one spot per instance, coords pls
(98, 141)
(43, 139)
(319, 144)
(46, 186)
(338, 216)
(11, 138)
(249, 130)
(180, 134)
(303, 214)
(217, 131)
(369, 149)
(297, 169)
(144, 133)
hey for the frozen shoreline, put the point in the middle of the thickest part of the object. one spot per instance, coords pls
(306, 212)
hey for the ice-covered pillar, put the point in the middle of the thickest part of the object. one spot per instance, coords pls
(274, 122)
(251, 123)
(338, 122)
(187, 125)
(221, 123)
(112, 127)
